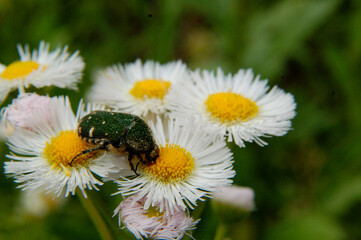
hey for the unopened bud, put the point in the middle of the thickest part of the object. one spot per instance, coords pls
(232, 203)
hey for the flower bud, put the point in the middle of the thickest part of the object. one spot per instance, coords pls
(232, 203)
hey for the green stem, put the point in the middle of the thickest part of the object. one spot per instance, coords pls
(95, 216)
(221, 232)
(103, 210)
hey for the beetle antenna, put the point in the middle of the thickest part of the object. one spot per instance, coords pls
(86, 151)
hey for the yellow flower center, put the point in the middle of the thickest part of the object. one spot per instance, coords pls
(19, 69)
(154, 212)
(151, 88)
(229, 108)
(62, 149)
(173, 164)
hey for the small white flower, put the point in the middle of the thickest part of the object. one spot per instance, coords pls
(239, 107)
(17, 114)
(152, 223)
(41, 68)
(240, 197)
(41, 156)
(137, 88)
(191, 163)
(37, 204)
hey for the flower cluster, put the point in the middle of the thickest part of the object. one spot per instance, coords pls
(191, 114)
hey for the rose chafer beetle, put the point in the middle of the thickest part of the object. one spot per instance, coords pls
(124, 132)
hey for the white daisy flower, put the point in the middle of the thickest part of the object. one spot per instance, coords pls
(137, 88)
(191, 163)
(41, 68)
(41, 156)
(152, 223)
(239, 107)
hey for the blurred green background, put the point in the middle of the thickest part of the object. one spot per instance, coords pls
(307, 183)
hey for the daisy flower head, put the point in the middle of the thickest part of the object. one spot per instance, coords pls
(152, 223)
(240, 107)
(137, 88)
(191, 163)
(49, 156)
(41, 68)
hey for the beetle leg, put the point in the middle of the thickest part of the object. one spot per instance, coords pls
(130, 160)
(141, 159)
(136, 167)
(87, 151)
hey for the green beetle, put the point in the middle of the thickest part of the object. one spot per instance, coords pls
(124, 132)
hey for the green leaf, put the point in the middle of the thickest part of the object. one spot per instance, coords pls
(277, 33)
(343, 197)
(310, 226)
